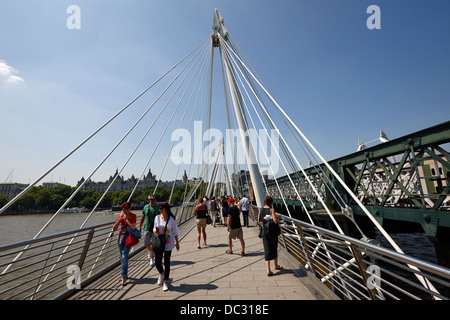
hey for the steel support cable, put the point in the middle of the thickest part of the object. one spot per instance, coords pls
(114, 148)
(191, 192)
(288, 157)
(261, 105)
(284, 144)
(181, 121)
(6, 206)
(423, 280)
(167, 125)
(251, 119)
(203, 113)
(232, 123)
(151, 126)
(322, 244)
(227, 108)
(124, 165)
(272, 126)
(311, 184)
(265, 153)
(185, 142)
(334, 193)
(281, 193)
(249, 83)
(324, 161)
(206, 102)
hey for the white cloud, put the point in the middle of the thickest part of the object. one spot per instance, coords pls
(8, 73)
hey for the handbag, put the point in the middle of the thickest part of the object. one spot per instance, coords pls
(159, 241)
(271, 228)
(132, 237)
(208, 219)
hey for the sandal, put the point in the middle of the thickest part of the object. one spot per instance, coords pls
(270, 274)
(242, 253)
(229, 252)
(278, 268)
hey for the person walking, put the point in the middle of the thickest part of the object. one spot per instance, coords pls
(165, 218)
(225, 210)
(213, 210)
(243, 207)
(234, 227)
(126, 219)
(201, 210)
(270, 241)
(149, 214)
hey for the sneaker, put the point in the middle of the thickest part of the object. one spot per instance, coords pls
(160, 280)
(152, 262)
(165, 287)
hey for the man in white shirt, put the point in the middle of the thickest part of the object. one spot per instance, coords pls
(243, 207)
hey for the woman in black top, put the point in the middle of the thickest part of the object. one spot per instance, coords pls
(270, 242)
(201, 210)
(225, 210)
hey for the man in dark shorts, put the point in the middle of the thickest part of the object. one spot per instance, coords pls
(234, 227)
(149, 213)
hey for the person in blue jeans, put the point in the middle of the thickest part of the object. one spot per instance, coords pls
(126, 220)
(243, 207)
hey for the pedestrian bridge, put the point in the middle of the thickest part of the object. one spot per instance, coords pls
(80, 264)
(208, 273)
(319, 264)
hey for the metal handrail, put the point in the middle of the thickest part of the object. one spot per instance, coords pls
(355, 269)
(54, 266)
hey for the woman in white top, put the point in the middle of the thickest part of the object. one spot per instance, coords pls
(171, 242)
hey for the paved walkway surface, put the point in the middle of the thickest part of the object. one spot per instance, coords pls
(205, 274)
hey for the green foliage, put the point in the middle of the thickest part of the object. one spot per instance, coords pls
(40, 199)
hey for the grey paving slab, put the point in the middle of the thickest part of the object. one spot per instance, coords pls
(207, 273)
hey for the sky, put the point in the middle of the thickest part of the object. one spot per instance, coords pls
(337, 79)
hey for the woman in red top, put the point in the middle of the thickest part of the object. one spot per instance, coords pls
(126, 219)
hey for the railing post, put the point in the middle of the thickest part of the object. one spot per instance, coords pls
(362, 270)
(305, 246)
(85, 248)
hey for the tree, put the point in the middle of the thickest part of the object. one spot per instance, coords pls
(43, 199)
(26, 202)
(3, 200)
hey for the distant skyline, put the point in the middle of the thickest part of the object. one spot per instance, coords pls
(63, 73)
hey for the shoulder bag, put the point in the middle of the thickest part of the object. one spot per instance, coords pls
(132, 237)
(159, 241)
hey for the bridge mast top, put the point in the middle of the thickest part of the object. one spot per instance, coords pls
(218, 27)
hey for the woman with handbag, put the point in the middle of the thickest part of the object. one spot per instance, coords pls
(270, 234)
(165, 224)
(126, 220)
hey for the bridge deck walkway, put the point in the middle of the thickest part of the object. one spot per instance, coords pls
(206, 274)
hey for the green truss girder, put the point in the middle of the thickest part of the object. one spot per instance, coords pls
(417, 206)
